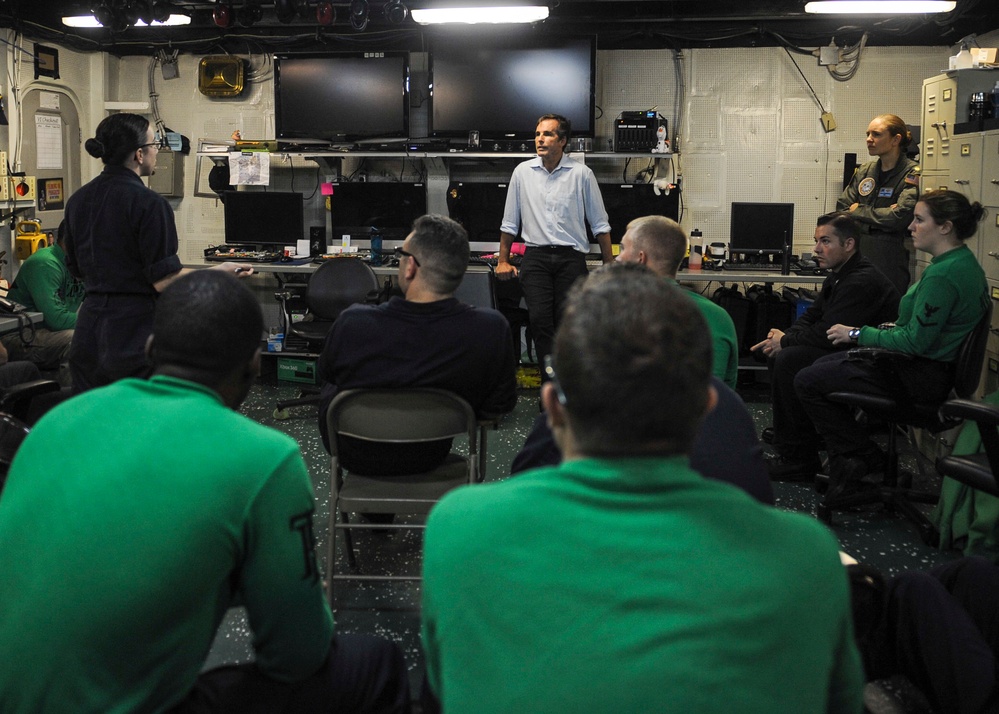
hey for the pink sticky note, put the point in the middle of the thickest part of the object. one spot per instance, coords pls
(327, 189)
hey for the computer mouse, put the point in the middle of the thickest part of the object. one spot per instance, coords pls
(284, 259)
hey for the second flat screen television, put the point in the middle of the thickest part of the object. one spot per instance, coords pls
(501, 88)
(341, 97)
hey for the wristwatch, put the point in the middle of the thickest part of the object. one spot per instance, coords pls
(854, 334)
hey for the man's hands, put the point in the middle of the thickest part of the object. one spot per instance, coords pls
(839, 334)
(771, 345)
(505, 271)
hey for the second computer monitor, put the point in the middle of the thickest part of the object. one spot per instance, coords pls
(761, 228)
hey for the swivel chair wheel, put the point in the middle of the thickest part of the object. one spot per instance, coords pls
(281, 414)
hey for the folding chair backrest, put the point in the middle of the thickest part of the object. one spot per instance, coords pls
(401, 415)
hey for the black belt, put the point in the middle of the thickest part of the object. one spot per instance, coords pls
(120, 295)
(551, 247)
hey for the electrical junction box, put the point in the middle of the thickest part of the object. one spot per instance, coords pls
(18, 188)
(168, 179)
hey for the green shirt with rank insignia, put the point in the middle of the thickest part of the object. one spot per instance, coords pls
(939, 311)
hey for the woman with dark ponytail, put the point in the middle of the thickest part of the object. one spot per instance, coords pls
(121, 241)
(934, 318)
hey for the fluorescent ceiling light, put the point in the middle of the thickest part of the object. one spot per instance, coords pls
(91, 21)
(879, 7)
(475, 15)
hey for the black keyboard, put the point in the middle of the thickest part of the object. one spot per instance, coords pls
(753, 267)
(245, 256)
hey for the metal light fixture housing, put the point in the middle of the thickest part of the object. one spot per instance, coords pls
(222, 14)
(472, 12)
(879, 7)
(359, 14)
(395, 12)
(325, 13)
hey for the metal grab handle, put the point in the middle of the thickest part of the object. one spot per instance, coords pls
(962, 182)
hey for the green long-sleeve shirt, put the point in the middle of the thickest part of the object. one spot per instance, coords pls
(44, 284)
(724, 340)
(937, 313)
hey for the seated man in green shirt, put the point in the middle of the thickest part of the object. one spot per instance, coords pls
(43, 284)
(136, 514)
(622, 580)
(660, 244)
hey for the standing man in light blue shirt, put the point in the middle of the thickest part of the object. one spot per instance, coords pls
(550, 200)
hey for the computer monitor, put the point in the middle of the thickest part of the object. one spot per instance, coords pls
(761, 228)
(341, 97)
(627, 201)
(478, 206)
(499, 86)
(263, 218)
(358, 209)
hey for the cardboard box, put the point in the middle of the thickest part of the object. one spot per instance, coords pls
(296, 370)
(986, 55)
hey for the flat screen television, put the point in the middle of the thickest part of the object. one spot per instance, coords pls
(500, 88)
(388, 207)
(263, 218)
(341, 97)
(761, 228)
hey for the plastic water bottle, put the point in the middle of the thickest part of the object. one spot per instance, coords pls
(376, 249)
(696, 250)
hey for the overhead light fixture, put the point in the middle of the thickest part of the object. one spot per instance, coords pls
(359, 14)
(325, 13)
(395, 12)
(879, 7)
(91, 21)
(250, 14)
(222, 14)
(475, 14)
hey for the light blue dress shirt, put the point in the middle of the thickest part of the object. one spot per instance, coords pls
(550, 208)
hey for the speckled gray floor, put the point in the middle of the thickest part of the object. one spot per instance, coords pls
(392, 609)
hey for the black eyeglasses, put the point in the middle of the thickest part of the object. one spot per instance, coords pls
(400, 252)
(553, 378)
(159, 144)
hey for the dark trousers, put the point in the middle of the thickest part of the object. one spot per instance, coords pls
(109, 342)
(546, 274)
(919, 379)
(941, 630)
(889, 254)
(363, 673)
(794, 435)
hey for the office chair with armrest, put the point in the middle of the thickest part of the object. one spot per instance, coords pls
(334, 287)
(895, 491)
(12, 433)
(478, 287)
(16, 400)
(980, 470)
(394, 416)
